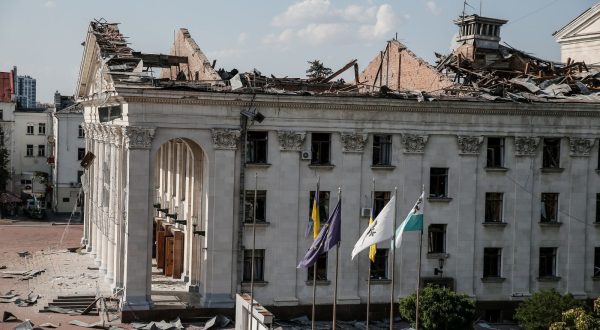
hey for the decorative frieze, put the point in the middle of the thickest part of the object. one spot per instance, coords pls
(225, 139)
(116, 135)
(526, 145)
(580, 147)
(291, 140)
(414, 143)
(469, 145)
(138, 137)
(353, 142)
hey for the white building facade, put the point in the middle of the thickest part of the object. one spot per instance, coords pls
(580, 39)
(512, 190)
(32, 143)
(69, 150)
(7, 123)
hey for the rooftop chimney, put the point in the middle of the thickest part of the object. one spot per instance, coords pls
(479, 31)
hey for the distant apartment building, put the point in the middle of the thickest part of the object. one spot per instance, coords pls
(68, 152)
(26, 91)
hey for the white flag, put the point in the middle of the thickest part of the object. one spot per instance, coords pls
(380, 230)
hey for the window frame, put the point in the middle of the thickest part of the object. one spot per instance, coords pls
(254, 140)
(80, 154)
(29, 150)
(261, 211)
(30, 130)
(492, 198)
(41, 147)
(324, 197)
(436, 229)
(318, 156)
(597, 220)
(259, 265)
(438, 181)
(382, 150)
(543, 267)
(80, 132)
(544, 208)
(41, 128)
(492, 262)
(380, 265)
(551, 153)
(380, 199)
(495, 150)
(321, 269)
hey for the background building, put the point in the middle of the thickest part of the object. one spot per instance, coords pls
(68, 152)
(26, 91)
(580, 39)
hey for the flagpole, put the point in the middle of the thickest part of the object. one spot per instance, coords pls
(337, 261)
(313, 326)
(419, 270)
(370, 261)
(393, 262)
(253, 249)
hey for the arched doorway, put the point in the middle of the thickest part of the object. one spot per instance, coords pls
(178, 222)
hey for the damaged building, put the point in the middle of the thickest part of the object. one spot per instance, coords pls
(508, 158)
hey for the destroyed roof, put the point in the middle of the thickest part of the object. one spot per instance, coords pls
(74, 108)
(504, 74)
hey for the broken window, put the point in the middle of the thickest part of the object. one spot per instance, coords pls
(547, 262)
(551, 153)
(261, 202)
(29, 149)
(41, 128)
(379, 266)
(597, 262)
(323, 204)
(437, 238)
(382, 149)
(492, 262)
(321, 269)
(80, 153)
(81, 132)
(493, 207)
(109, 113)
(29, 129)
(256, 148)
(41, 150)
(381, 199)
(259, 265)
(321, 148)
(495, 152)
(549, 211)
(438, 182)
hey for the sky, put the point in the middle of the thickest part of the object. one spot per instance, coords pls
(43, 37)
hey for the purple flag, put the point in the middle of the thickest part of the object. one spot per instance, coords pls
(329, 237)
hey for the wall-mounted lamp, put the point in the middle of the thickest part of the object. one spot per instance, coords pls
(439, 271)
(195, 224)
(174, 214)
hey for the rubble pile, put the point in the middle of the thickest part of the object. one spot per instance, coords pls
(509, 74)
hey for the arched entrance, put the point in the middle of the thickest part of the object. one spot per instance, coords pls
(178, 225)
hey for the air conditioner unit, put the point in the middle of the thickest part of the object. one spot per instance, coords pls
(306, 155)
(365, 212)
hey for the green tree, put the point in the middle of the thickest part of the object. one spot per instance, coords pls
(579, 319)
(4, 159)
(317, 70)
(544, 308)
(439, 309)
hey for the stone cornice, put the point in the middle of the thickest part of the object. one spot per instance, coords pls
(353, 142)
(225, 139)
(379, 104)
(291, 140)
(580, 147)
(469, 145)
(138, 137)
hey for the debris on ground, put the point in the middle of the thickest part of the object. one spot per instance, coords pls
(9, 317)
(23, 254)
(162, 325)
(49, 325)
(95, 325)
(25, 325)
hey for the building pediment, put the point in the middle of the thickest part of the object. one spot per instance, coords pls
(586, 25)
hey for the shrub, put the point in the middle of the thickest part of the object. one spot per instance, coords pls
(440, 309)
(544, 308)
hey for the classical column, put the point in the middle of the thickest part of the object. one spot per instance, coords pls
(469, 148)
(111, 229)
(138, 224)
(524, 195)
(85, 184)
(576, 275)
(217, 273)
(120, 211)
(105, 197)
(91, 210)
(97, 193)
